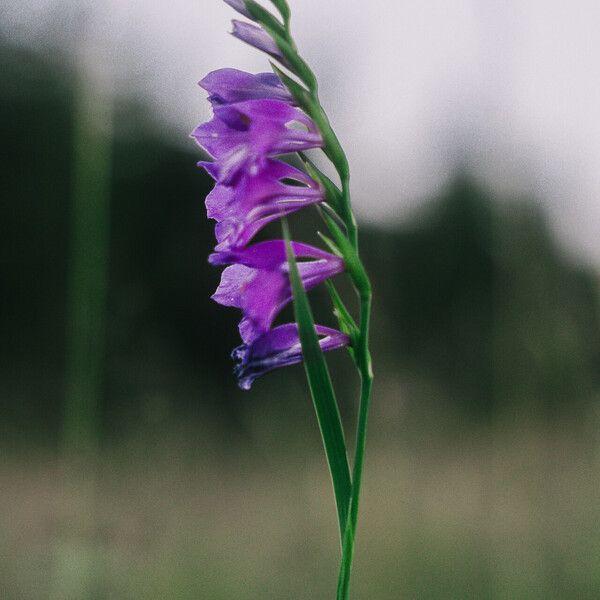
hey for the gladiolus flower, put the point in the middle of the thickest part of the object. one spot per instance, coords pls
(243, 210)
(242, 136)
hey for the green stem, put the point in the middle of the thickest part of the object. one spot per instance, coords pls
(348, 216)
(362, 286)
(309, 101)
(361, 436)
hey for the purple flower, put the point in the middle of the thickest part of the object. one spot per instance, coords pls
(243, 210)
(227, 86)
(256, 119)
(257, 282)
(276, 348)
(240, 6)
(241, 136)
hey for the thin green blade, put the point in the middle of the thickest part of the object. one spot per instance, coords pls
(283, 8)
(321, 390)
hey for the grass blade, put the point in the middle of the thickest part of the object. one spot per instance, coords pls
(321, 390)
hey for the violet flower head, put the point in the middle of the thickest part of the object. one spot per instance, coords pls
(279, 347)
(257, 282)
(228, 86)
(241, 136)
(243, 210)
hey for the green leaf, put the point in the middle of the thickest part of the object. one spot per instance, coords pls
(324, 207)
(300, 93)
(330, 244)
(294, 61)
(264, 17)
(321, 390)
(308, 101)
(332, 192)
(354, 266)
(346, 320)
(283, 8)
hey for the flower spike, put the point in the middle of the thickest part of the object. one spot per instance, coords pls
(256, 119)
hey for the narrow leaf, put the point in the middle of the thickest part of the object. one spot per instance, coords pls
(283, 8)
(321, 389)
(332, 192)
(300, 93)
(354, 265)
(346, 320)
(295, 62)
(264, 17)
(330, 244)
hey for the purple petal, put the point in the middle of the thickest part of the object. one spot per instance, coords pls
(263, 299)
(227, 86)
(257, 37)
(233, 281)
(240, 6)
(211, 168)
(271, 255)
(279, 347)
(217, 138)
(268, 125)
(243, 210)
(233, 233)
(219, 202)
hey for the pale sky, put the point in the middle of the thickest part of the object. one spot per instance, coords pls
(509, 87)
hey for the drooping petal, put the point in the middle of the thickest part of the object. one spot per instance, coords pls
(219, 202)
(227, 86)
(257, 37)
(243, 135)
(258, 283)
(279, 347)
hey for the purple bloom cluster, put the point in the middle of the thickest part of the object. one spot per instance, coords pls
(254, 121)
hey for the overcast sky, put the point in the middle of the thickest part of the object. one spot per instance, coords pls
(508, 87)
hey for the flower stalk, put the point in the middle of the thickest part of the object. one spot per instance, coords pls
(252, 125)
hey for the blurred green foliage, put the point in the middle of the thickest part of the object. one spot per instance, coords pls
(479, 482)
(472, 295)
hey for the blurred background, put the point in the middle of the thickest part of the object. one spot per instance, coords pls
(134, 468)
